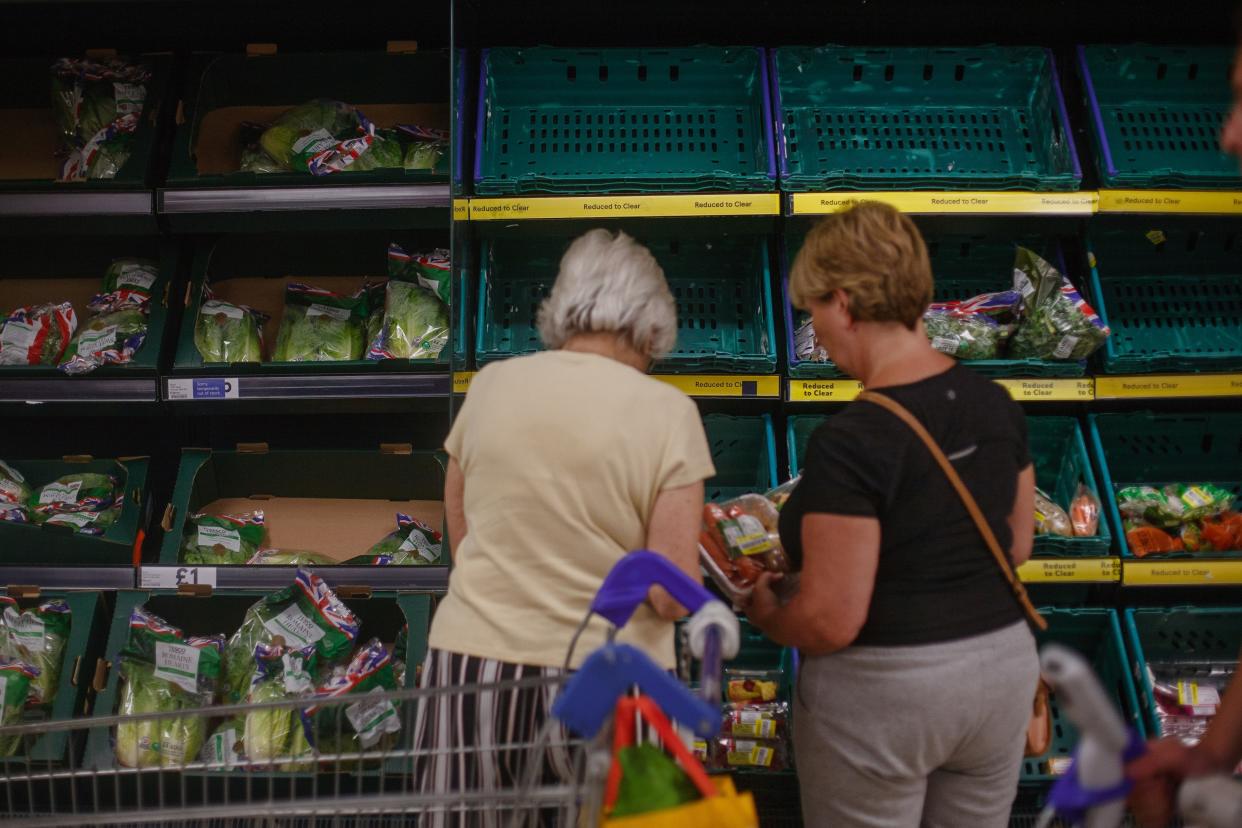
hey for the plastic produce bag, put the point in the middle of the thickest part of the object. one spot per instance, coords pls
(426, 149)
(280, 736)
(72, 493)
(962, 335)
(781, 493)
(288, 557)
(1173, 505)
(137, 276)
(1051, 519)
(1085, 513)
(37, 334)
(303, 125)
(37, 636)
(1057, 323)
(163, 671)
(308, 612)
(320, 326)
(87, 523)
(15, 680)
(431, 270)
(97, 106)
(806, 346)
(414, 543)
(108, 339)
(224, 748)
(14, 490)
(224, 332)
(369, 722)
(756, 720)
(415, 326)
(212, 540)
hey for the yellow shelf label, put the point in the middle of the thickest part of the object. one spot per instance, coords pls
(1050, 390)
(1179, 385)
(612, 206)
(826, 390)
(461, 209)
(461, 381)
(1067, 204)
(1183, 572)
(1170, 201)
(1077, 570)
(723, 385)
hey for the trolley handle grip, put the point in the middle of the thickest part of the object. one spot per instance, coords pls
(630, 579)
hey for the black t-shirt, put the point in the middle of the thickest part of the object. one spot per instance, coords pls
(936, 579)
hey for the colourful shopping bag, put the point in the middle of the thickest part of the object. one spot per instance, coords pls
(679, 796)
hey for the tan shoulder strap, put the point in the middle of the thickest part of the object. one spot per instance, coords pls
(968, 500)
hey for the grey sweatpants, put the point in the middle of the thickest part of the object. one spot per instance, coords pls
(930, 736)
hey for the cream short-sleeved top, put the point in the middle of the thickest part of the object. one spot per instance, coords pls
(563, 454)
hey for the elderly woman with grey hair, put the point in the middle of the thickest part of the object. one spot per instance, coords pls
(560, 463)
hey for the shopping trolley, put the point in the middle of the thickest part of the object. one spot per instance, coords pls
(67, 772)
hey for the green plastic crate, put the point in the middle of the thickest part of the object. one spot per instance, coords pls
(28, 97)
(963, 266)
(381, 615)
(1157, 113)
(1148, 449)
(623, 120)
(1179, 633)
(744, 453)
(860, 118)
(310, 258)
(285, 80)
(82, 650)
(31, 544)
(722, 288)
(1061, 462)
(206, 476)
(1096, 635)
(1172, 297)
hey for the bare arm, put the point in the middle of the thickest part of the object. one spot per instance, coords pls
(840, 556)
(454, 505)
(1022, 518)
(674, 533)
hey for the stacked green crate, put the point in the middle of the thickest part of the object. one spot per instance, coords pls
(744, 453)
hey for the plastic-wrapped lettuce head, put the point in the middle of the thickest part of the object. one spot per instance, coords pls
(278, 734)
(77, 492)
(38, 636)
(108, 339)
(416, 324)
(213, 540)
(225, 332)
(320, 326)
(16, 677)
(329, 117)
(384, 153)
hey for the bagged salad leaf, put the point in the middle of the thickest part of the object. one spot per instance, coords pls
(1057, 322)
(426, 150)
(369, 721)
(15, 681)
(37, 334)
(213, 540)
(136, 275)
(975, 328)
(307, 123)
(415, 326)
(319, 325)
(414, 543)
(308, 612)
(1173, 505)
(224, 748)
(87, 523)
(14, 490)
(224, 332)
(384, 152)
(37, 636)
(280, 736)
(97, 105)
(288, 557)
(164, 671)
(108, 339)
(74, 493)
(431, 270)
(1051, 519)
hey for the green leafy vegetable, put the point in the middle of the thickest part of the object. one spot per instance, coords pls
(137, 275)
(1058, 323)
(288, 557)
(368, 722)
(416, 324)
(213, 540)
(314, 120)
(108, 339)
(15, 680)
(98, 106)
(225, 332)
(224, 749)
(37, 334)
(320, 326)
(278, 735)
(37, 636)
(963, 335)
(74, 493)
(425, 155)
(414, 543)
(14, 490)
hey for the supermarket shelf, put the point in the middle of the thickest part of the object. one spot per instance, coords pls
(1157, 386)
(67, 577)
(306, 386)
(1071, 570)
(1022, 390)
(699, 205)
(56, 205)
(1082, 203)
(1185, 202)
(739, 386)
(79, 390)
(1183, 572)
(387, 578)
(265, 199)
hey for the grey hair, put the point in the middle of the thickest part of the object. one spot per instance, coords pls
(609, 283)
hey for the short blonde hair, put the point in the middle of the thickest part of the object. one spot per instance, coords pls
(609, 283)
(876, 255)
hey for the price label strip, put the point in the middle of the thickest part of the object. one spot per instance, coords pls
(1022, 390)
(171, 577)
(998, 203)
(643, 206)
(724, 385)
(1182, 572)
(1171, 201)
(1070, 570)
(1179, 385)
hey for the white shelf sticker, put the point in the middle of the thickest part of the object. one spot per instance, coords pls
(203, 388)
(171, 577)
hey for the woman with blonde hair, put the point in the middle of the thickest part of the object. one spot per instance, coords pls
(919, 671)
(560, 463)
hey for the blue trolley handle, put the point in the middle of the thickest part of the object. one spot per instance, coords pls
(631, 578)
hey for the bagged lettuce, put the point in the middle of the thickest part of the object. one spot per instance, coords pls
(369, 721)
(74, 493)
(414, 543)
(1174, 505)
(294, 130)
(112, 338)
(212, 540)
(415, 326)
(1057, 322)
(129, 282)
(14, 490)
(431, 270)
(224, 332)
(15, 681)
(37, 334)
(87, 523)
(224, 748)
(974, 328)
(37, 636)
(320, 326)
(98, 106)
(308, 612)
(288, 557)
(280, 736)
(163, 671)
(427, 147)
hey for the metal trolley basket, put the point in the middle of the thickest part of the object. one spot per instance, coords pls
(378, 784)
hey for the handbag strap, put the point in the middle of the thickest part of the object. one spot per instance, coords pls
(968, 500)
